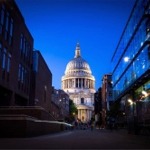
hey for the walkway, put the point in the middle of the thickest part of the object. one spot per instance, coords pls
(80, 139)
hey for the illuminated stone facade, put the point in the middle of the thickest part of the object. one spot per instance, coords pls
(79, 83)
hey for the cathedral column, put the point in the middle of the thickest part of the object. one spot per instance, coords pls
(65, 83)
(88, 118)
(80, 114)
(70, 80)
(85, 116)
(68, 83)
(90, 84)
(74, 83)
(84, 83)
(81, 83)
(87, 83)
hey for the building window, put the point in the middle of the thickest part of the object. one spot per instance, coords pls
(8, 62)
(8, 66)
(82, 100)
(45, 89)
(0, 53)
(24, 45)
(21, 42)
(19, 72)
(2, 13)
(10, 32)
(22, 74)
(4, 59)
(6, 26)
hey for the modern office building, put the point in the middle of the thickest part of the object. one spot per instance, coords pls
(79, 83)
(131, 65)
(16, 46)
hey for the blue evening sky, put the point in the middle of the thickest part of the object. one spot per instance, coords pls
(57, 25)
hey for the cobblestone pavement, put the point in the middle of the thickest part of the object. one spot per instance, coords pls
(80, 139)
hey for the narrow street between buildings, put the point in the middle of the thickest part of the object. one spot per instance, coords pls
(80, 139)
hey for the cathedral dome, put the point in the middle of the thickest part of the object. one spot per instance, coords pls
(78, 66)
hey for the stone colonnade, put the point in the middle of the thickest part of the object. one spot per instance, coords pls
(84, 115)
(78, 83)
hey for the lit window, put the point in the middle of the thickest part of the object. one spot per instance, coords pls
(11, 27)
(19, 72)
(8, 62)
(2, 15)
(10, 32)
(4, 59)
(1, 18)
(22, 74)
(7, 21)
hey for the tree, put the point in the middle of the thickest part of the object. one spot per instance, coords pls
(73, 108)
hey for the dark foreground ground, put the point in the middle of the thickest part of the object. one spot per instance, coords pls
(80, 139)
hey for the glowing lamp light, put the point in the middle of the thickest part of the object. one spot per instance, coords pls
(130, 101)
(126, 59)
(145, 93)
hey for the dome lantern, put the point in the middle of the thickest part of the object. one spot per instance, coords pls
(77, 51)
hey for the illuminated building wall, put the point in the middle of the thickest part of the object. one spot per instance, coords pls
(134, 46)
(131, 68)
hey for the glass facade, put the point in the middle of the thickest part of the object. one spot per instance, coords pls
(133, 44)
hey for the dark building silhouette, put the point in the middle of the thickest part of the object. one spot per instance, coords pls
(41, 82)
(98, 101)
(107, 98)
(25, 80)
(60, 104)
(16, 45)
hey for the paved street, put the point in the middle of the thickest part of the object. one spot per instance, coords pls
(79, 139)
